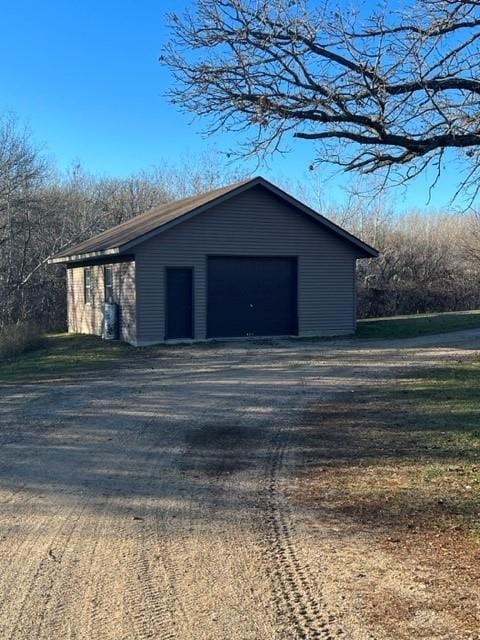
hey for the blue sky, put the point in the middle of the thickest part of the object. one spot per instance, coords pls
(85, 77)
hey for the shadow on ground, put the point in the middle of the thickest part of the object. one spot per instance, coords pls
(171, 428)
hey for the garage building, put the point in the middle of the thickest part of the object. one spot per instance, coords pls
(243, 260)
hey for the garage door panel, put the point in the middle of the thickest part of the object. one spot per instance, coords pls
(251, 296)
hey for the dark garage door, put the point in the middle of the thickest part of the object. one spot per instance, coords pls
(251, 296)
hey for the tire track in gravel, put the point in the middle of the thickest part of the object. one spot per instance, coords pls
(147, 606)
(51, 619)
(47, 569)
(99, 587)
(296, 599)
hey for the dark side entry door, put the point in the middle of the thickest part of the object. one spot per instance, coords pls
(251, 296)
(179, 303)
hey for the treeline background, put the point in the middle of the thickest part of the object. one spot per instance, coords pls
(429, 262)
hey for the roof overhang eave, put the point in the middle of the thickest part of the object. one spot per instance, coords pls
(370, 252)
(84, 256)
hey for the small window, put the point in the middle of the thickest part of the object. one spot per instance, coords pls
(108, 283)
(87, 285)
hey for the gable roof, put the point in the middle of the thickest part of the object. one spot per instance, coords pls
(124, 236)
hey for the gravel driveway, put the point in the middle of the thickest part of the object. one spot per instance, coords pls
(148, 502)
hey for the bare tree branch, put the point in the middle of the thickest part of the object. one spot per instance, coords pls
(402, 85)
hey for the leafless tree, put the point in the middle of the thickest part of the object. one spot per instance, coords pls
(42, 212)
(22, 171)
(390, 92)
(423, 266)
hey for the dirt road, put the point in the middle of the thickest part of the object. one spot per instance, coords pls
(149, 502)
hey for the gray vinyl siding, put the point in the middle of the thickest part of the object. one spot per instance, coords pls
(253, 223)
(87, 318)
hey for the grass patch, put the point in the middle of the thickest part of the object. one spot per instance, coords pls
(66, 353)
(405, 458)
(446, 404)
(418, 325)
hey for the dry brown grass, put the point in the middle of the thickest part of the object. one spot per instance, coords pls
(19, 338)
